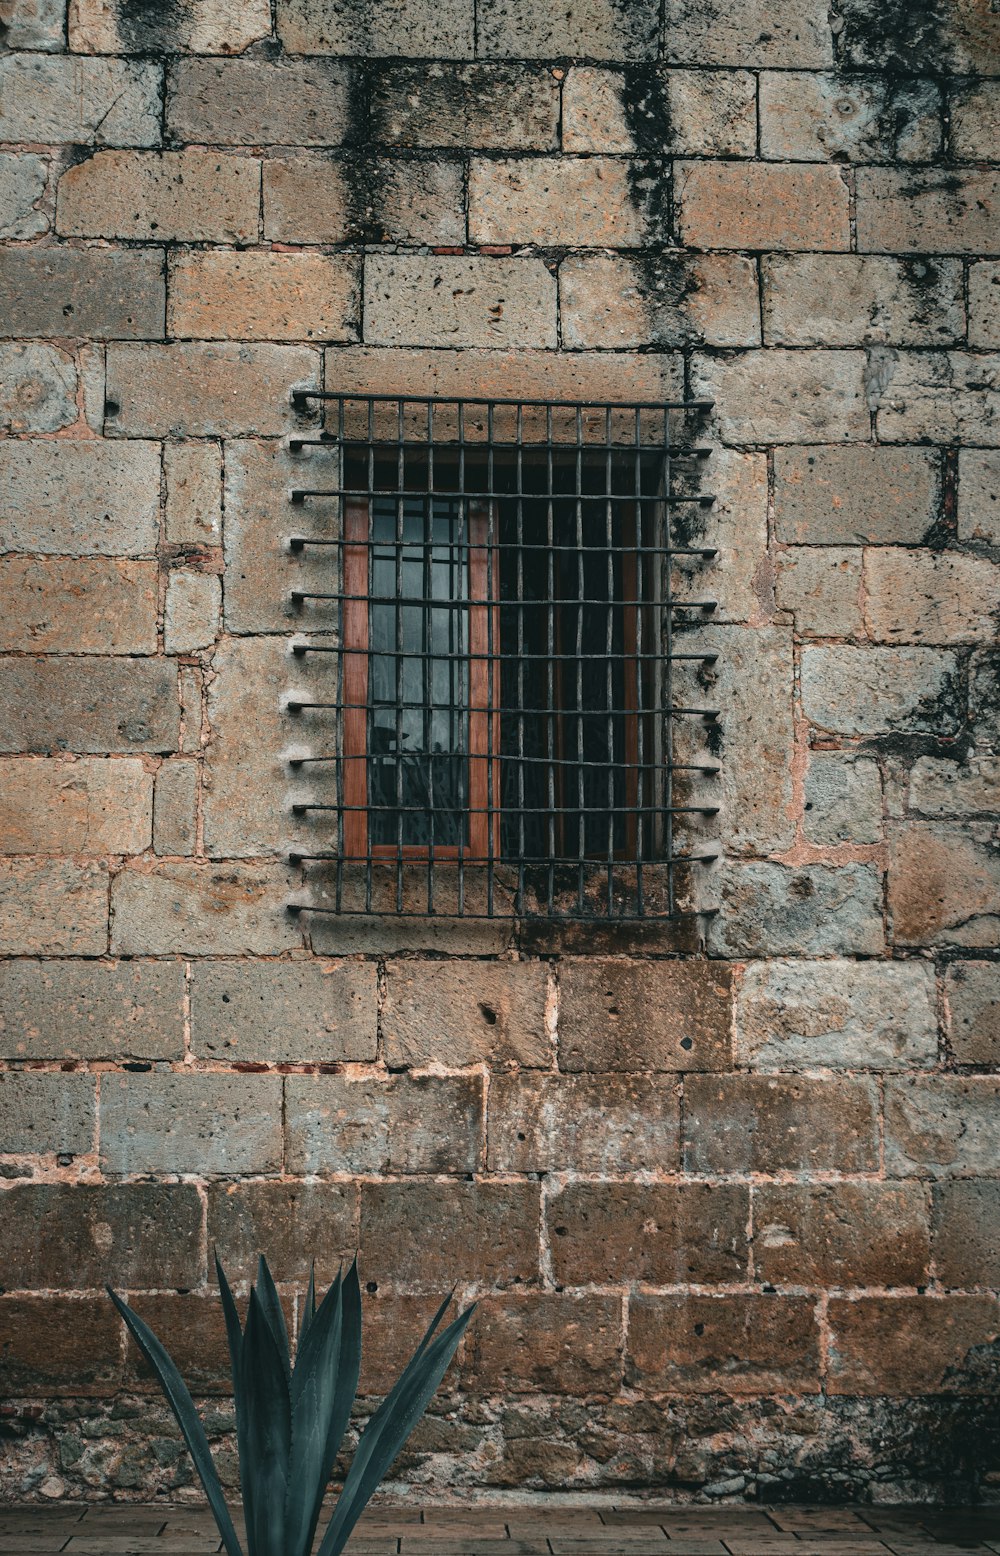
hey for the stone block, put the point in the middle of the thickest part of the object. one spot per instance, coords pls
(942, 1126)
(843, 799)
(290, 1223)
(37, 388)
(545, 1340)
(175, 808)
(761, 205)
(802, 1015)
(383, 1124)
(70, 498)
(984, 697)
(107, 294)
(979, 495)
(495, 107)
(582, 202)
(821, 586)
(740, 1344)
(972, 996)
(875, 691)
(258, 102)
(944, 883)
(202, 27)
(927, 210)
(841, 1234)
(965, 38)
(380, 28)
(975, 121)
(805, 116)
(88, 806)
(48, 99)
(930, 596)
(943, 786)
(616, 1014)
(192, 1327)
(784, 396)
(34, 24)
(669, 299)
(284, 1012)
(662, 1233)
(605, 1124)
(136, 1234)
(740, 576)
(53, 908)
(206, 390)
(597, 29)
(192, 195)
(23, 180)
(193, 611)
(770, 909)
(94, 706)
(311, 197)
(844, 299)
(966, 1224)
(842, 496)
(193, 475)
(912, 1345)
(85, 605)
(185, 1122)
(596, 104)
(425, 1236)
(247, 784)
(261, 571)
(754, 34)
(945, 397)
(46, 1112)
(780, 1123)
(91, 1010)
(984, 304)
(712, 113)
(193, 909)
(457, 1013)
(413, 299)
(225, 295)
(52, 1346)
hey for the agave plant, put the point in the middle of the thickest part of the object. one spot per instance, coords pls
(290, 1421)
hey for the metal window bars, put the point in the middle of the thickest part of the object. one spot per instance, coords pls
(490, 723)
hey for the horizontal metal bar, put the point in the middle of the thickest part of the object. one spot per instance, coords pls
(522, 913)
(592, 445)
(304, 807)
(510, 759)
(298, 495)
(435, 656)
(302, 396)
(298, 542)
(299, 596)
(530, 861)
(298, 704)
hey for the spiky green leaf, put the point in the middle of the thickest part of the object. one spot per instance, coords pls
(267, 1415)
(274, 1313)
(309, 1305)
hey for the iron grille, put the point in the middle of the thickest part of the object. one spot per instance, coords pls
(497, 646)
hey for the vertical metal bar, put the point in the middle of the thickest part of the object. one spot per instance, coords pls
(581, 591)
(399, 652)
(369, 703)
(428, 665)
(521, 849)
(490, 651)
(339, 563)
(550, 663)
(464, 559)
(609, 652)
(666, 697)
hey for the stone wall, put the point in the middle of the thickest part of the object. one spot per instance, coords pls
(733, 1215)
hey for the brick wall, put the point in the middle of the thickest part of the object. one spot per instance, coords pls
(734, 1216)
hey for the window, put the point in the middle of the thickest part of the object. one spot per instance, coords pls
(498, 730)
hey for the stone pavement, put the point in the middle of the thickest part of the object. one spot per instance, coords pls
(532, 1530)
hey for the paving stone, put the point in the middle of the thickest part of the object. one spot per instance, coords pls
(944, 883)
(82, 606)
(48, 99)
(177, 1122)
(102, 293)
(23, 180)
(805, 116)
(93, 706)
(759, 205)
(661, 1234)
(457, 1013)
(215, 389)
(203, 27)
(619, 1015)
(53, 907)
(843, 496)
(419, 1236)
(37, 388)
(844, 1234)
(361, 27)
(911, 1345)
(943, 1126)
(383, 1124)
(599, 29)
(543, 1340)
(874, 691)
(284, 1012)
(846, 1015)
(724, 1344)
(411, 299)
(940, 397)
(979, 495)
(79, 498)
(670, 300)
(453, 104)
(583, 202)
(91, 1010)
(192, 195)
(197, 909)
(135, 1234)
(842, 299)
(927, 211)
(175, 807)
(46, 1112)
(770, 909)
(89, 806)
(606, 1124)
(972, 992)
(785, 396)
(291, 1223)
(258, 102)
(779, 1123)
(263, 296)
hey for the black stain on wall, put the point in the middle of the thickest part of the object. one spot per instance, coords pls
(151, 26)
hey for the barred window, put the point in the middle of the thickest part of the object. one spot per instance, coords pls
(497, 737)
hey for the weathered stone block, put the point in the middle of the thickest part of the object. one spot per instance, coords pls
(843, 799)
(70, 498)
(311, 197)
(102, 293)
(844, 299)
(384, 1124)
(175, 807)
(942, 1126)
(628, 1015)
(607, 1124)
(821, 586)
(290, 1223)
(34, 24)
(93, 706)
(90, 806)
(419, 1236)
(595, 114)
(942, 786)
(972, 994)
(91, 1010)
(712, 113)
(193, 475)
(544, 1340)
(669, 299)
(192, 1327)
(663, 1233)
(394, 1326)
(941, 397)
(23, 178)
(261, 571)
(53, 908)
(263, 296)
(944, 883)
(193, 195)
(876, 691)
(80, 1354)
(979, 495)
(203, 27)
(912, 1345)
(83, 606)
(965, 38)
(927, 211)
(975, 121)
(192, 612)
(984, 304)
(46, 1112)
(47, 99)
(211, 390)
(930, 596)
(770, 909)
(784, 396)
(843, 496)
(411, 299)
(247, 782)
(493, 106)
(966, 1225)
(841, 1234)
(793, 1015)
(604, 202)
(258, 102)
(731, 1344)
(459, 1013)
(202, 910)
(37, 388)
(761, 205)
(779, 1123)
(755, 34)
(598, 29)
(805, 116)
(413, 28)
(984, 697)
(740, 576)
(188, 1122)
(139, 1234)
(284, 1012)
